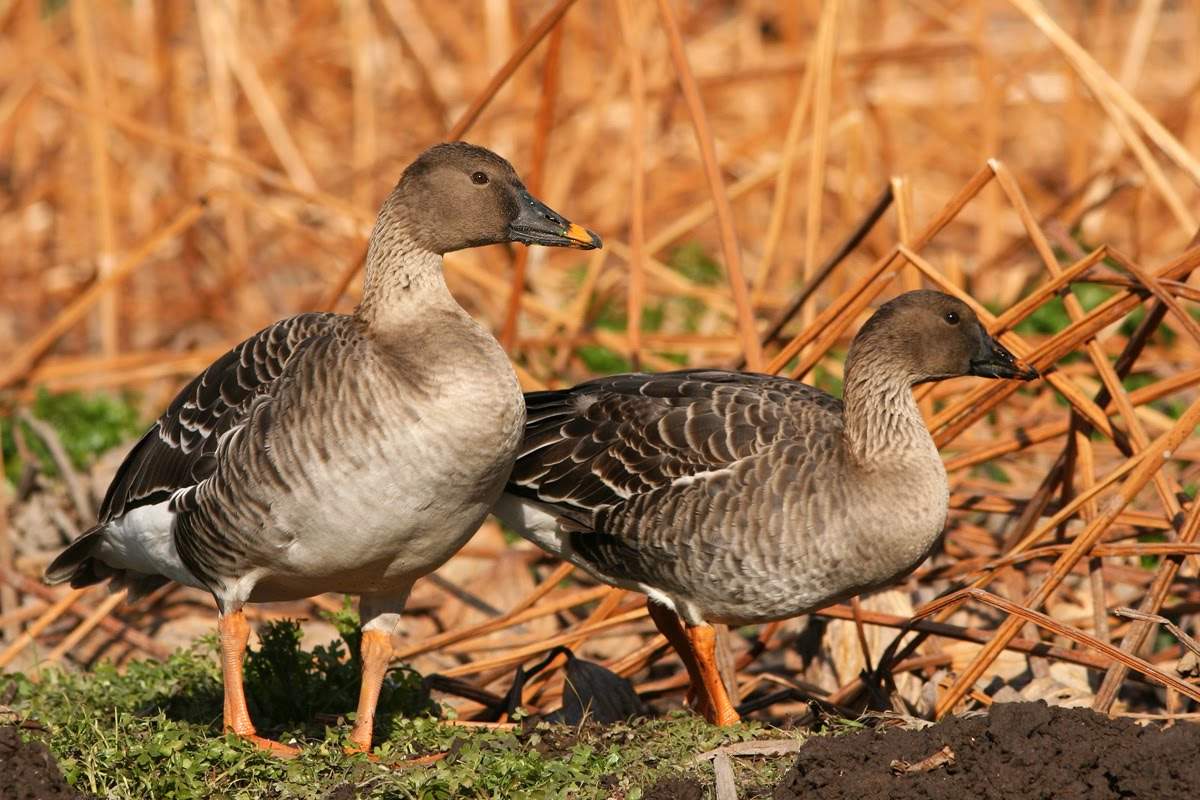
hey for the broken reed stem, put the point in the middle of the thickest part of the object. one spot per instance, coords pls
(1147, 465)
(747, 329)
(1136, 636)
(1018, 612)
(824, 330)
(848, 245)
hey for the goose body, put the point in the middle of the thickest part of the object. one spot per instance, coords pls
(336, 453)
(743, 498)
(739, 503)
(310, 453)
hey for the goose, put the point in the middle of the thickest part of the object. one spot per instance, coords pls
(743, 498)
(332, 452)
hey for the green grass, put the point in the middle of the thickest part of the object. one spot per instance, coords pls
(87, 425)
(153, 730)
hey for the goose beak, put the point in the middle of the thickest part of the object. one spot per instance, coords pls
(993, 360)
(537, 223)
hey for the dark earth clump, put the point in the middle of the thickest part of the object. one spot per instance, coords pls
(676, 788)
(29, 772)
(1019, 750)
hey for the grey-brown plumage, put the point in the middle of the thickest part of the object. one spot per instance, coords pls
(331, 452)
(741, 498)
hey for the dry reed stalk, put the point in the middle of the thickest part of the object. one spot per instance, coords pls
(781, 200)
(1103, 84)
(97, 138)
(822, 66)
(421, 46)
(86, 626)
(8, 594)
(636, 296)
(704, 138)
(226, 41)
(357, 19)
(26, 357)
(522, 51)
(184, 146)
(48, 617)
(222, 95)
(520, 654)
(537, 166)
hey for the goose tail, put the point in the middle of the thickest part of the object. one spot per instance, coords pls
(77, 563)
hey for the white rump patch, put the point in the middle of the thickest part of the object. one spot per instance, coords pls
(141, 541)
(531, 521)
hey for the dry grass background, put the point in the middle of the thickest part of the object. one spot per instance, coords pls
(175, 175)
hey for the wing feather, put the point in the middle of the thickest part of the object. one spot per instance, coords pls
(601, 443)
(180, 448)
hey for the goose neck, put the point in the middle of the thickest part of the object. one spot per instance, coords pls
(400, 276)
(882, 421)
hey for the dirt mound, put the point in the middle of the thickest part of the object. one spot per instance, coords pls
(1025, 750)
(29, 772)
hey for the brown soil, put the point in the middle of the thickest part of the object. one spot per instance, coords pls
(676, 788)
(1020, 750)
(29, 772)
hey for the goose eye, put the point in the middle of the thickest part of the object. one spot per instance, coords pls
(479, 178)
(952, 317)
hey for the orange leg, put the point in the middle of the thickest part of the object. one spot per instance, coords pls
(234, 632)
(704, 644)
(376, 655)
(670, 626)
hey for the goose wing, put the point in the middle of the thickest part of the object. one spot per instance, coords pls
(180, 448)
(604, 442)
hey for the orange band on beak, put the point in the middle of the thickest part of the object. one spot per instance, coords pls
(578, 233)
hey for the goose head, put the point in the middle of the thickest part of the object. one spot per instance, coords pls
(457, 195)
(929, 336)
